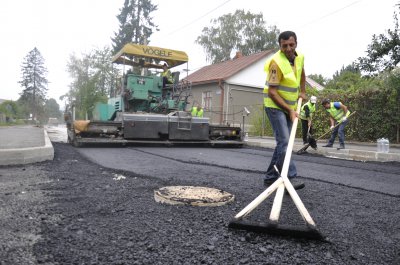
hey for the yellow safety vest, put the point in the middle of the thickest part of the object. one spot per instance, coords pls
(337, 114)
(288, 88)
(311, 107)
(168, 75)
(197, 113)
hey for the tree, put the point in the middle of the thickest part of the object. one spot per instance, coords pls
(34, 81)
(103, 70)
(384, 51)
(241, 31)
(318, 78)
(349, 78)
(52, 109)
(135, 23)
(10, 109)
(92, 80)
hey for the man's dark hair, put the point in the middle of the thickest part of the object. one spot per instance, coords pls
(325, 101)
(286, 35)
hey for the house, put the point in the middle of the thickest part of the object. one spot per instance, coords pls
(226, 89)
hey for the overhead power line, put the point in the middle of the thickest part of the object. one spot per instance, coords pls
(330, 14)
(197, 19)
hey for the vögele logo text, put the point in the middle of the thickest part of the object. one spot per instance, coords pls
(162, 53)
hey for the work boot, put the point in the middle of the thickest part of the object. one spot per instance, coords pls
(341, 146)
(297, 184)
(268, 182)
(314, 147)
(328, 145)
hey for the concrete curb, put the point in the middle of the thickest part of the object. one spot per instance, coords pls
(21, 156)
(348, 154)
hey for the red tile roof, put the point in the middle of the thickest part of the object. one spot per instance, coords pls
(224, 70)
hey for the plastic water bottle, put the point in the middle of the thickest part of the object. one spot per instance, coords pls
(385, 145)
(379, 145)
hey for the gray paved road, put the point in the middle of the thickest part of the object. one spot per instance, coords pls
(16, 137)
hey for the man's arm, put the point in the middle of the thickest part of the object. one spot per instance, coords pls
(332, 122)
(308, 116)
(344, 108)
(274, 78)
(307, 111)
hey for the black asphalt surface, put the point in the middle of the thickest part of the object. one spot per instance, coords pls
(76, 209)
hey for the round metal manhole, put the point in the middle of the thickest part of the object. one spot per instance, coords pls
(190, 195)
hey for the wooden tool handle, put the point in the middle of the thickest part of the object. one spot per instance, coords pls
(277, 205)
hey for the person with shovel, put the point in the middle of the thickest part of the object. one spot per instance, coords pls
(285, 74)
(338, 119)
(306, 115)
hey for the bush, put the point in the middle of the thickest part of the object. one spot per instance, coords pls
(375, 100)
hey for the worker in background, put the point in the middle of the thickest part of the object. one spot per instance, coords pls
(197, 111)
(166, 75)
(338, 113)
(285, 74)
(306, 115)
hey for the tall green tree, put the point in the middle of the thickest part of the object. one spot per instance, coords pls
(34, 82)
(52, 109)
(92, 80)
(135, 23)
(241, 31)
(384, 51)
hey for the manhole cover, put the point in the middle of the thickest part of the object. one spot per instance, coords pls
(190, 195)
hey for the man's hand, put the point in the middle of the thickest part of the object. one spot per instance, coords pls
(303, 96)
(332, 127)
(293, 114)
(344, 119)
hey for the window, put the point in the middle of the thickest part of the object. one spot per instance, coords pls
(206, 100)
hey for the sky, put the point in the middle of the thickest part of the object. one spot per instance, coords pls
(330, 34)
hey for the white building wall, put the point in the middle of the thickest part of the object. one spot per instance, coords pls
(253, 76)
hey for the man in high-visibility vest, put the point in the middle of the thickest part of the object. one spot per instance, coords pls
(166, 75)
(197, 111)
(338, 113)
(306, 115)
(285, 75)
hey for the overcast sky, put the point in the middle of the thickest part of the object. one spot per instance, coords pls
(331, 34)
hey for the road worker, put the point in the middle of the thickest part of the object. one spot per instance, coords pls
(285, 74)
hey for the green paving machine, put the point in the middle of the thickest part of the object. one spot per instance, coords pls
(141, 110)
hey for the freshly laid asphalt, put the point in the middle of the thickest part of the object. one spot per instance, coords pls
(30, 144)
(73, 211)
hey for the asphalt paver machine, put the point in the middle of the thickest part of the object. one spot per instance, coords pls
(140, 110)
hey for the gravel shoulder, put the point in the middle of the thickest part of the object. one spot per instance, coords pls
(72, 211)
